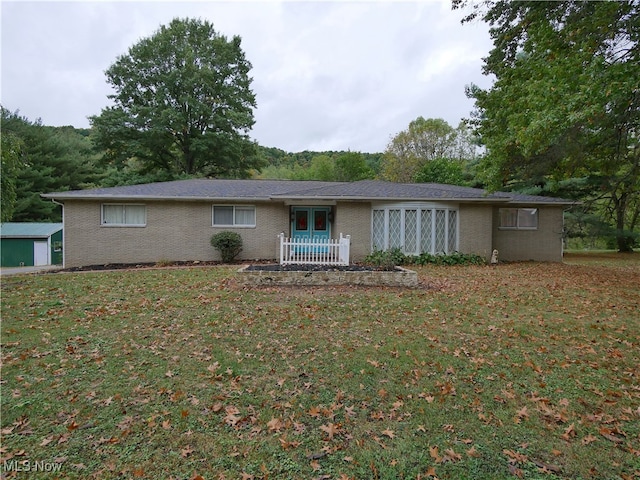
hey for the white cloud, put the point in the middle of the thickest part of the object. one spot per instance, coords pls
(327, 75)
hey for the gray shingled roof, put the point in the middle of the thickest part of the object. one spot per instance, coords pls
(204, 189)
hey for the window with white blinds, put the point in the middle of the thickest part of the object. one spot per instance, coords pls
(124, 215)
(234, 216)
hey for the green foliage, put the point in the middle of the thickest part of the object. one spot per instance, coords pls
(51, 159)
(11, 152)
(443, 170)
(229, 244)
(565, 102)
(183, 104)
(326, 166)
(388, 259)
(351, 167)
(455, 258)
(410, 153)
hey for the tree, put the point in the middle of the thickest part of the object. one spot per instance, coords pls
(183, 104)
(424, 141)
(51, 159)
(11, 150)
(442, 170)
(351, 167)
(566, 101)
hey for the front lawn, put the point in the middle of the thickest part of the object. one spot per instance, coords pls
(524, 370)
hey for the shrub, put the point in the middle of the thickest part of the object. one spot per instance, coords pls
(229, 244)
(388, 259)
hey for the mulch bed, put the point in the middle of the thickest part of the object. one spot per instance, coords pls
(313, 268)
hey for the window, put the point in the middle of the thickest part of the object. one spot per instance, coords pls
(519, 218)
(232, 215)
(415, 229)
(124, 215)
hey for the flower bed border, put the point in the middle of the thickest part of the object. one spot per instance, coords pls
(400, 277)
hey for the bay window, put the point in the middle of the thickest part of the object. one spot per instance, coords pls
(415, 229)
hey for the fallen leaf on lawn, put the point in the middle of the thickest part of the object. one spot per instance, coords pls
(472, 452)
(451, 456)
(515, 457)
(589, 439)
(515, 471)
(330, 429)
(433, 451)
(314, 411)
(275, 425)
(431, 472)
(569, 432)
(315, 465)
(610, 434)
(388, 433)
(186, 451)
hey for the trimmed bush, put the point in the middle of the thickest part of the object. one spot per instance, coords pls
(388, 259)
(229, 244)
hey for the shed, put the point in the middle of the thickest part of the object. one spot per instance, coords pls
(30, 244)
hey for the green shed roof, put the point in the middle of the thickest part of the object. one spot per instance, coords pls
(29, 230)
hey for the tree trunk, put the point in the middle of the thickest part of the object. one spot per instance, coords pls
(624, 239)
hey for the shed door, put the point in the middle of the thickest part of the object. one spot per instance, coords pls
(40, 253)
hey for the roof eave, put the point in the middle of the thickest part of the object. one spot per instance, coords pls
(158, 198)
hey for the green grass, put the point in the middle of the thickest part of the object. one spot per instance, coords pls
(523, 370)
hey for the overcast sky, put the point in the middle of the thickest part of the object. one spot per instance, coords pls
(327, 75)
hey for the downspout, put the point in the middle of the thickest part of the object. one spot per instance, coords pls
(64, 236)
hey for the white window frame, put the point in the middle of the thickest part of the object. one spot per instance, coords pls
(234, 223)
(518, 212)
(104, 223)
(419, 207)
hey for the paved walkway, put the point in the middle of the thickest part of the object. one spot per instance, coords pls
(6, 271)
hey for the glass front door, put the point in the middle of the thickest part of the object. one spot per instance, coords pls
(311, 223)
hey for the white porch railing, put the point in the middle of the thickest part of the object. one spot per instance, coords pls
(317, 251)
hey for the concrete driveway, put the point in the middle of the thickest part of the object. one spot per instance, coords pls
(6, 271)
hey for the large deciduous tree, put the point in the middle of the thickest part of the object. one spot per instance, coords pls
(183, 104)
(565, 104)
(424, 141)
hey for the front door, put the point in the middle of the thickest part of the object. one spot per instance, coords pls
(311, 223)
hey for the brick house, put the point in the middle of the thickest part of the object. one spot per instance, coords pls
(174, 221)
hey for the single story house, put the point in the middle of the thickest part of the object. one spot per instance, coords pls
(30, 244)
(174, 221)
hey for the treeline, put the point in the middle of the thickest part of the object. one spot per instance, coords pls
(38, 159)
